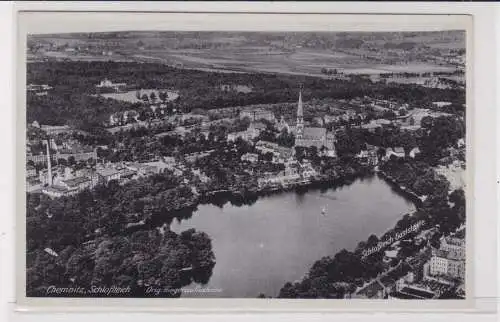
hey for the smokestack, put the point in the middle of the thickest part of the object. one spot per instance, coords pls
(49, 166)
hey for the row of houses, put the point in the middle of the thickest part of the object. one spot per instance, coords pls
(295, 173)
(84, 155)
(106, 83)
(369, 156)
(249, 134)
(121, 118)
(280, 153)
(52, 129)
(258, 114)
(66, 181)
(39, 90)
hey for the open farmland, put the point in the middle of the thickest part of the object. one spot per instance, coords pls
(300, 62)
(285, 53)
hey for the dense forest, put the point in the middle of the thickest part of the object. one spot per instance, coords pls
(109, 236)
(74, 82)
(434, 139)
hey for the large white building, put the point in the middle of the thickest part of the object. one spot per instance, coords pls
(249, 134)
(258, 114)
(449, 259)
(106, 83)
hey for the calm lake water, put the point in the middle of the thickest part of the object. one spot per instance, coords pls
(260, 247)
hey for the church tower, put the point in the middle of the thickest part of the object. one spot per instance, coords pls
(300, 118)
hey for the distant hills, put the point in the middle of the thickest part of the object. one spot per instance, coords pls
(319, 40)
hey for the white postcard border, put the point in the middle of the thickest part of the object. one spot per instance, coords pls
(215, 305)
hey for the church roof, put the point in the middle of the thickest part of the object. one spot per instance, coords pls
(314, 132)
(259, 125)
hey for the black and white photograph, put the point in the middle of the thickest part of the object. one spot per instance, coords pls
(246, 164)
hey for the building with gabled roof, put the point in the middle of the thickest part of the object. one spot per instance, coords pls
(312, 136)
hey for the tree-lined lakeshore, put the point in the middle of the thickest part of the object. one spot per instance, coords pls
(119, 235)
(91, 239)
(339, 276)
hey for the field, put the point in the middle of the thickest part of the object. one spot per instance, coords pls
(300, 62)
(131, 96)
(240, 52)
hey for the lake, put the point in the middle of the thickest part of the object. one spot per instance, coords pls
(258, 248)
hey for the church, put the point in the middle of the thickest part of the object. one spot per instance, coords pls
(312, 136)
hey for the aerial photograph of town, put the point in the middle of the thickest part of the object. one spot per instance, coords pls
(273, 165)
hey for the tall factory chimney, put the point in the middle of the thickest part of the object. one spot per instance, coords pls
(49, 166)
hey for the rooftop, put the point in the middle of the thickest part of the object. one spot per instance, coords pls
(55, 188)
(314, 132)
(107, 172)
(127, 172)
(387, 281)
(33, 181)
(454, 241)
(76, 181)
(403, 296)
(55, 127)
(391, 253)
(371, 289)
(383, 121)
(370, 126)
(418, 293)
(158, 164)
(259, 125)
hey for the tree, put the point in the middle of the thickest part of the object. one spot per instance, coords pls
(286, 138)
(381, 153)
(143, 116)
(426, 122)
(145, 97)
(62, 162)
(300, 153)
(408, 141)
(389, 114)
(372, 241)
(312, 152)
(152, 96)
(163, 96)
(457, 197)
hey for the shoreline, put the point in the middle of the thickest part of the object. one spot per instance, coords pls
(249, 197)
(416, 199)
(408, 194)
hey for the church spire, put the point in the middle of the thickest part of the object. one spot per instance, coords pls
(300, 111)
